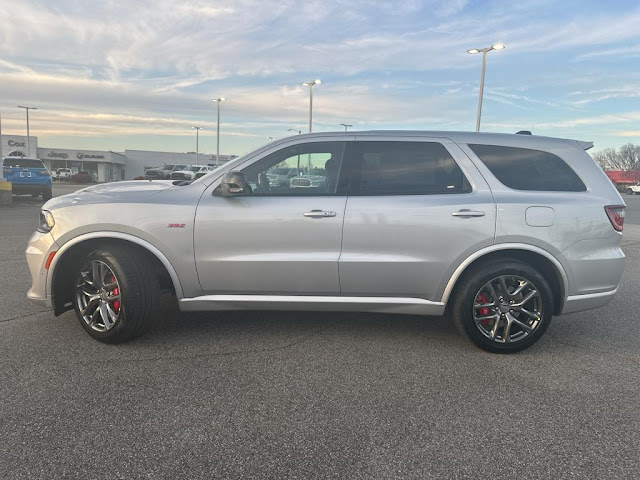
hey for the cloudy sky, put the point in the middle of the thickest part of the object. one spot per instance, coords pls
(139, 74)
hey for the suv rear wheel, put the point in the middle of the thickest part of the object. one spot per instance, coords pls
(115, 294)
(503, 306)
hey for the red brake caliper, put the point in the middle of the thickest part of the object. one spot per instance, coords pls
(482, 311)
(115, 291)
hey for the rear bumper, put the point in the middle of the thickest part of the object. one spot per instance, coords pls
(20, 188)
(579, 303)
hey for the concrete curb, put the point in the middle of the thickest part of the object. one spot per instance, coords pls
(6, 196)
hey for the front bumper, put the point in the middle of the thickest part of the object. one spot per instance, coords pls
(38, 250)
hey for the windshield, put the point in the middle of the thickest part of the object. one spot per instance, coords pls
(178, 167)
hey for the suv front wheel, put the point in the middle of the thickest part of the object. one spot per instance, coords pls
(115, 294)
(503, 306)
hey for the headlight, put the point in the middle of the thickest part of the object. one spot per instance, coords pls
(46, 221)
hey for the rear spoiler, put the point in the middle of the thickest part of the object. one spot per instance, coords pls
(585, 145)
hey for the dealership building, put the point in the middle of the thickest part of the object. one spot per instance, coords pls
(107, 166)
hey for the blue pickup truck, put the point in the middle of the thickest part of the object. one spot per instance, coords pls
(27, 176)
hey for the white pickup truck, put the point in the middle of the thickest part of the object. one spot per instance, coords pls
(633, 189)
(62, 174)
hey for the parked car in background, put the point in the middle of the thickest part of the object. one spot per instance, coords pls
(162, 172)
(27, 176)
(63, 174)
(633, 189)
(282, 175)
(499, 231)
(204, 170)
(191, 172)
(83, 177)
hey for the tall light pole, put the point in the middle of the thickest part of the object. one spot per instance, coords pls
(0, 138)
(484, 51)
(28, 142)
(346, 126)
(218, 100)
(197, 129)
(310, 85)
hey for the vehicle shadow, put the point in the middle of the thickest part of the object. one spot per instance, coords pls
(229, 332)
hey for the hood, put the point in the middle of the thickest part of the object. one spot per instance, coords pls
(128, 191)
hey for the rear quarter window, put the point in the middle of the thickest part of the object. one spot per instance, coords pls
(527, 169)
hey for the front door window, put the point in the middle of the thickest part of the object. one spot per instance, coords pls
(299, 170)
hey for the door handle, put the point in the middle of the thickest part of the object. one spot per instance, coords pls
(466, 213)
(319, 214)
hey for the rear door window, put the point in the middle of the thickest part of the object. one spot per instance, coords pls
(403, 168)
(526, 169)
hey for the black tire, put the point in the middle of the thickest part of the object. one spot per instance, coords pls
(469, 288)
(138, 292)
(629, 191)
(47, 194)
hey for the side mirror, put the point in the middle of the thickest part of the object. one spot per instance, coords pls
(232, 184)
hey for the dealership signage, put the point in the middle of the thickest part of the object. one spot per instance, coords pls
(13, 143)
(79, 155)
(88, 155)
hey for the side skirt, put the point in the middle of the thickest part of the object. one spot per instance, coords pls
(410, 306)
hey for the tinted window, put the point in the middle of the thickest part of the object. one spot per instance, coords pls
(22, 162)
(305, 169)
(525, 169)
(404, 168)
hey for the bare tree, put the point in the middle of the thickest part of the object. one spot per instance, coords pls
(627, 158)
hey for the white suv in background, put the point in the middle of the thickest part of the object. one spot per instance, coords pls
(191, 173)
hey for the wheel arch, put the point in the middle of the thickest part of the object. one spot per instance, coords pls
(65, 258)
(549, 266)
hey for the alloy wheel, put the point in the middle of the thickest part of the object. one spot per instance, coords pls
(507, 309)
(98, 296)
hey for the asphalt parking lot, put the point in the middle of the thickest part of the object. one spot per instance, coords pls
(313, 395)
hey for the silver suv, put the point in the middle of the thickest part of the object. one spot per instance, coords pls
(499, 231)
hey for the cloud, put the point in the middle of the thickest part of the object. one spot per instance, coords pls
(124, 66)
(627, 133)
(598, 95)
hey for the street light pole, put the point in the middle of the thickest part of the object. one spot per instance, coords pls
(484, 51)
(310, 85)
(218, 100)
(28, 142)
(0, 138)
(346, 126)
(197, 129)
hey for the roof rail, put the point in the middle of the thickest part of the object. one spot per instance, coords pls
(523, 132)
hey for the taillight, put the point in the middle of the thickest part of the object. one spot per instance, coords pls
(616, 216)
